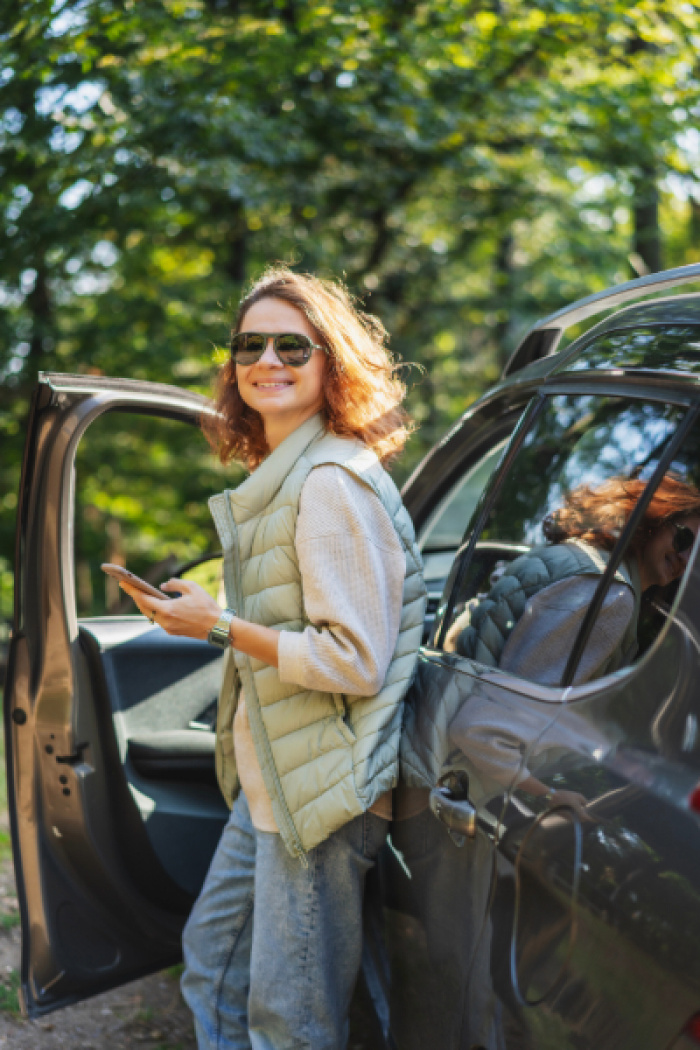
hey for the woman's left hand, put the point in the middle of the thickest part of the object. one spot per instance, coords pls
(193, 614)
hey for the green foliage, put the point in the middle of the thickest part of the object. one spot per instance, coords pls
(9, 919)
(9, 993)
(467, 165)
(141, 489)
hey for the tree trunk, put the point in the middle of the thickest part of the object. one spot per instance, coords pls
(503, 287)
(646, 245)
(694, 230)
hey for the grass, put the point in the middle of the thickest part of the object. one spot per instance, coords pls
(5, 843)
(9, 993)
(9, 919)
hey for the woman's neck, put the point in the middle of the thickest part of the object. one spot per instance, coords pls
(278, 428)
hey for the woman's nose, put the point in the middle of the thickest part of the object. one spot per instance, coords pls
(268, 356)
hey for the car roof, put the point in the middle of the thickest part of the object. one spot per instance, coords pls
(544, 338)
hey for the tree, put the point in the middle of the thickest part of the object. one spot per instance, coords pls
(468, 165)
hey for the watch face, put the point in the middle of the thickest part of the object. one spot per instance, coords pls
(218, 635)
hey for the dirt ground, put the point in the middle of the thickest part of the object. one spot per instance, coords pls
(148, 1014)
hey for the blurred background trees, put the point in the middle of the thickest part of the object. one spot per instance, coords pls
(467, 166)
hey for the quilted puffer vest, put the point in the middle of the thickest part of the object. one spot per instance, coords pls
(496, 615)
(325, 758)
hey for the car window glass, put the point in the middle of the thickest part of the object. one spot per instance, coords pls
(443, 532)
(142, 485)
(529, 579)
(670, 348)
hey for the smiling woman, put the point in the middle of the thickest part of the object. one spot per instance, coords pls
(325, 613)
(274, 385)
(361, 392)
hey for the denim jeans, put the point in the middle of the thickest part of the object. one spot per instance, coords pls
(272, 948)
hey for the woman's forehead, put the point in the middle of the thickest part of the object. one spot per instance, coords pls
(275, 315)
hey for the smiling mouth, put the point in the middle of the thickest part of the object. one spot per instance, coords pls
(280, 384)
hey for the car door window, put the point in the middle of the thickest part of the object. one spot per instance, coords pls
(527, 576)
(443, 532)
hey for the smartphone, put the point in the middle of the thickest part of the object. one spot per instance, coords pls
(120, 573)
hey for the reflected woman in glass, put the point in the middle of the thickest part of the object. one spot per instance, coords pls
(528, 622)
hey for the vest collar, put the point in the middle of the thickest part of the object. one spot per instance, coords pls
(259, 489)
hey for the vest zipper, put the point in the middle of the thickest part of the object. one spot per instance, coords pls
(291, 834)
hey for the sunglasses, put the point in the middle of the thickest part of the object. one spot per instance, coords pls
(292, 348)
(683, 538)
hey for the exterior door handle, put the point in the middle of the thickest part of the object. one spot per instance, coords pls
(449, 801)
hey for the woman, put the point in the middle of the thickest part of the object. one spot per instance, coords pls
(529, 621)
(325, 611)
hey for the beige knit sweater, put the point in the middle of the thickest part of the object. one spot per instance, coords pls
(352, 569)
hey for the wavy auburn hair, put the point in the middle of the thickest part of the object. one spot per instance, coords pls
(598, 515)
(362, 394)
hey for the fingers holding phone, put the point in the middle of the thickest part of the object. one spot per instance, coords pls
(180, 607)
(146, 605)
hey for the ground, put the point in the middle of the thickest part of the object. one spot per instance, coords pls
(145, 1015)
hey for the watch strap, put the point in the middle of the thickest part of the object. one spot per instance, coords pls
(219, 635)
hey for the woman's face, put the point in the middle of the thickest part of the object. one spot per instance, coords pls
(659, 562)
(284, 396)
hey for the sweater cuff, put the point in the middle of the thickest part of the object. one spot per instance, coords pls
(290, 657)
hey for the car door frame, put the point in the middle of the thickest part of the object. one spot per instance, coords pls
(57, 798)
(618, 384)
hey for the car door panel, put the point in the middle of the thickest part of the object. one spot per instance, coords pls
(460, 722)
(151, 679)
(493, 977)
(104, 853)
(596, 906)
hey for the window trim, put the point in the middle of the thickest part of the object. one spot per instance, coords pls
(622, 544)
(464, 553)
(527, 421)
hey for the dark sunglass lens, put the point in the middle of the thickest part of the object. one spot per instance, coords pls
(683, 540)
(247, 347)
(294, 349)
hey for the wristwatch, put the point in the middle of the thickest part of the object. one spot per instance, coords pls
(219, 633)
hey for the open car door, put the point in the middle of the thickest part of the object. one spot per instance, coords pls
(108, 721)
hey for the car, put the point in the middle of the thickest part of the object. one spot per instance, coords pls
(499, 916)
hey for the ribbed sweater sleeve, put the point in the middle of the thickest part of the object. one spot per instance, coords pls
(352, 567)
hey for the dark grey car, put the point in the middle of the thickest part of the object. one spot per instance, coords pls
(496, 919)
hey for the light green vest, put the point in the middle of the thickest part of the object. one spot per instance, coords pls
(325, 757)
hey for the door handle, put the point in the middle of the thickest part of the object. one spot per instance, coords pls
(449, 801)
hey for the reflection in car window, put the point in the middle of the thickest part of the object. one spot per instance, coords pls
(668, 348)
(547, 541)
(142, 484)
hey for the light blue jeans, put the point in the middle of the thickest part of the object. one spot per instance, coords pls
(272, 948)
